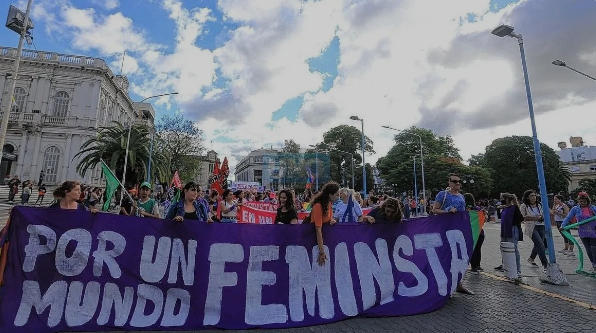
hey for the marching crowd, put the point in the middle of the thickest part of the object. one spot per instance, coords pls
(333, 204)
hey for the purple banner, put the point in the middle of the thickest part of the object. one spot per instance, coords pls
(70, 270)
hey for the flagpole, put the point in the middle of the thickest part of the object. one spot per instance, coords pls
(120, 183)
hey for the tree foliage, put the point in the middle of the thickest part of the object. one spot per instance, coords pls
(338, 143)
(441, 157)
(586, 185)
(513, 166)
(292, 164)
(110, 145)
(183, 141)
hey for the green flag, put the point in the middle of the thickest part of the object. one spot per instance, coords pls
(111, 185)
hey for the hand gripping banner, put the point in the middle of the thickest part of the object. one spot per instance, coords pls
(74, 271)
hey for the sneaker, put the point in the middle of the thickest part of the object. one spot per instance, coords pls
(531, 262)
(563, 251)
(474, 271)
(570, 254)
(499, 268)
(480, 269)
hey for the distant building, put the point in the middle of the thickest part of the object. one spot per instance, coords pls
(207, 163)
(579, 159)
(60, 102)
(260, 166)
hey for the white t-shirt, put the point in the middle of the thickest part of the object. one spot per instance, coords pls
(340, 212)
(532, 211)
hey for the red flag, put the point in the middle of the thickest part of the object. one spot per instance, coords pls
(176, 182)
(214, 179)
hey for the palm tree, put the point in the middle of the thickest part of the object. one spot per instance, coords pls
(110, 145)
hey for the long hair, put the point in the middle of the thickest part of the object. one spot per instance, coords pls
(526, 197)
(67, 186)
(323, 196)
(391, 203)
(289, 198)
(508, 197)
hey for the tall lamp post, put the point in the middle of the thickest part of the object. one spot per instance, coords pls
(23, 33)
(316, 166)
(363, 163)
(415, 186)
(152, 137)
(561, 63)
(352, 157)
(131, 121)
(553, 273)
(422, 165)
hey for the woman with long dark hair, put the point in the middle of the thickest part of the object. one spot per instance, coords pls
(511, 219)
(286, 212)
(322, 212)
(188, 208)
(533, 214)
(477, 253)
(67, 196)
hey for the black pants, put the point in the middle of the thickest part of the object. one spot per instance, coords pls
(477, 254)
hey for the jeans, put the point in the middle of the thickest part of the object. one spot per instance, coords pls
(590, 245)
(539, 239)
(514, 240)
(228, 220)
(567, 241)
(477, 254)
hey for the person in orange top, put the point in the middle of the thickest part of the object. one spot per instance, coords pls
(322, 212)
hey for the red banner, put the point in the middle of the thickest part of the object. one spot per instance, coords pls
(264, 213)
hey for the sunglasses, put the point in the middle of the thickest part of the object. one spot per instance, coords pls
(455, 181)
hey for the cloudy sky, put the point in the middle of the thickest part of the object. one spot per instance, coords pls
(254, 73)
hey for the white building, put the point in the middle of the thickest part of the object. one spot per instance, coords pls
(579, 159)
(207, 163)
(260, 166)
(60, 102)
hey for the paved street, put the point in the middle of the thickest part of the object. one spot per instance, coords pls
(498, 306)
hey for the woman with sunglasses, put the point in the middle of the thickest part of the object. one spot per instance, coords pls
(188, 208)
(587, 232)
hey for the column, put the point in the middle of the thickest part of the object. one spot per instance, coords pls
(35, 155)
(67, 157)
(22, 154)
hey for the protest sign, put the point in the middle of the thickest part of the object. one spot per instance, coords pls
(74, 271)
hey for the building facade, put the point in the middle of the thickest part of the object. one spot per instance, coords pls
(579, 159)
(261, 166)
(207, 164)
(60, 102)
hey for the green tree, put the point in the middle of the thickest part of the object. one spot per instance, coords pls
(441, 157)
(183, 141)
(513, 166)
(476, 160)
(586, 185)
(292, 164)
(336, 143)
(110, 145)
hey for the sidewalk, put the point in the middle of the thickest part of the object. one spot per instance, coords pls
(581, 288)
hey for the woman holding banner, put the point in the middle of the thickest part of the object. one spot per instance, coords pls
(322, 212)
(229, 207)
(67, 194)
(286, 212)
(188, 208)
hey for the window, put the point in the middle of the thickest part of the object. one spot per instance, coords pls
(19, 99)
(51, 162)
(61, 104)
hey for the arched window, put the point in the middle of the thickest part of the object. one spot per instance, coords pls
(19, 99)
(61, 104)
(51, 163)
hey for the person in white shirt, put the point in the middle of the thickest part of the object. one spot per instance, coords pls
(348, 209)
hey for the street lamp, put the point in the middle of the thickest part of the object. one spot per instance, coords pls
(468, 180)
(553, 272)
(561, 63)
(363, 163)
(352, 157)
(422, 165)
(128, 141)
(23, 34)
(152, 136)
(316, 166)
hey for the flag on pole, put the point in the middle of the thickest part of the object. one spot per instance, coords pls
(309, 177)
(214, 179)
(477, 219)
(176, 182)
(111, 185)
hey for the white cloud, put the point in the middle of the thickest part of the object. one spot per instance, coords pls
(402, 63)
(107, 4)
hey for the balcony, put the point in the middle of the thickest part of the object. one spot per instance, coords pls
(17, 118)
(65, 59)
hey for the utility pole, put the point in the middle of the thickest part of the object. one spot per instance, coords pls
(6, 114)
